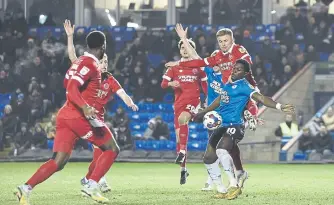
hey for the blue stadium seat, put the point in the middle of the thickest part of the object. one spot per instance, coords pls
(119, 43)
(323, 56)
(90, 146)
(171, 126)
(50, 144)
(302, 46)
(260, 28)
(167, 145)
(203, 136)
(169, 118)
(137, 134)
(83, 28)
(140, 144)
(164, 107)
(173, 136)
(129, 34)
(169, 98)
(138, 126)
(297, 156)
(170, 28)
(192, 126)
(196, 146)
(194, 136)
(207, 29)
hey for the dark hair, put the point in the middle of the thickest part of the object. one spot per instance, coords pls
(245, 64)
(95, 39)
(191, 42)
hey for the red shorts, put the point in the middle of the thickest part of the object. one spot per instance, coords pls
(68, 131)
(191, 108)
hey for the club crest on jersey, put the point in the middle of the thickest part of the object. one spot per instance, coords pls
(106, 86)
(195, 71)
(242, 50)
(234, 86)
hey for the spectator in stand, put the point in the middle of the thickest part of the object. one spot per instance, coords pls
(123, 138)
(154, 92)
(50, 128)
(35, 103)
(139, 93)
(120, 119)
(323, 142)
(328, 119)
(9, 123)
(306, 141)
(315, 124)
(157, 129)
(287, 128)
(22, 140)
(38, 139)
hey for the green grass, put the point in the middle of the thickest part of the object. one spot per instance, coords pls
(135, 183)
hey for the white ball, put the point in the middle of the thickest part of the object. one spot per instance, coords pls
(212, 120)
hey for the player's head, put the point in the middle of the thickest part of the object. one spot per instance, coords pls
(96, 42)
(216, 68)
(104, 63)
(225, 39)
(240, 69)
(183, 52)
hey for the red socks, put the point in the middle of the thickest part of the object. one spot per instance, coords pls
(252, 108)
(183, 135)
(96, 154)
(103, 164)
(43, 173)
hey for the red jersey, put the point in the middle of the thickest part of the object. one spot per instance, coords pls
(190, 81)
(85, 71)
(109, 87)
(225, 61)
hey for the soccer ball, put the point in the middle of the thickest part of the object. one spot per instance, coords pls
(212, 120)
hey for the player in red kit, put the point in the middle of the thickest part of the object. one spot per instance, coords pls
(225, 58)
(186, 84)
(77, 119)
(109, 87)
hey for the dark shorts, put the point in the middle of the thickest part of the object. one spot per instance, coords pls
(236, 132)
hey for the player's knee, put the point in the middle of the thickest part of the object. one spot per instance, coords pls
(222, 152)
(209, 159)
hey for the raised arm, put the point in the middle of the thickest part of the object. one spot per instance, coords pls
(70, 45)
(183, 36)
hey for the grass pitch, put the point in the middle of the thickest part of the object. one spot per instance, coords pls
(148, 183)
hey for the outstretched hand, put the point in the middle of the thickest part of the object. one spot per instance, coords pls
(180, 31)
(69, 29)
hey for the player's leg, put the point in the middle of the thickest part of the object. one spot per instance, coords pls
(63, 145)
(103, 184)
(104, 139)
(223, 148)
(183, 120)
(240, 173)
(211, 162)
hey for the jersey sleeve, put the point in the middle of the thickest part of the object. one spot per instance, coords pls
(114, 85)
(243, 54)
(82, 72)
(247, 89)
(168, 75)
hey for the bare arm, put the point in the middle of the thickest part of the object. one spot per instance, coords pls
(127, 100)
(215, 104)
(70, 45)
(268, 102)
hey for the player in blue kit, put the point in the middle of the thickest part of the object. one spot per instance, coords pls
(231, 104)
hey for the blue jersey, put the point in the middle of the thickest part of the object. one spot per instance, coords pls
(234, 99)
(214, 84)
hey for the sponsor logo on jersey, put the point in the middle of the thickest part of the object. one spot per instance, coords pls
(102, 93)
(224, 97)
(187, 78)
(216, 87)
(88, 135)
(84, 70)
(226, 66)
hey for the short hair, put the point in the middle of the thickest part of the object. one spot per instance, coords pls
(245, 64)
(224, 31)
(191, 42)
(95, 39)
